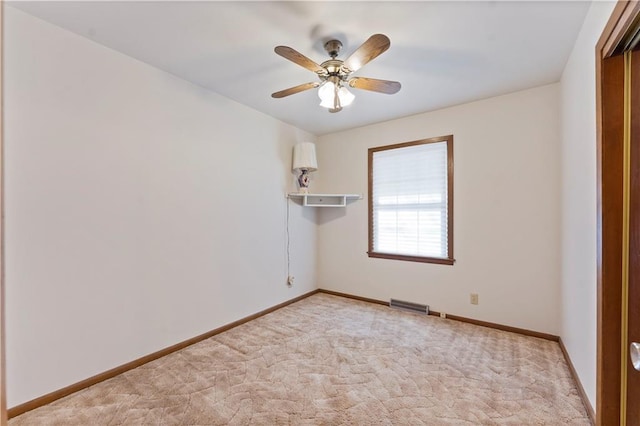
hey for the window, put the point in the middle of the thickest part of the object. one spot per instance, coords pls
(411, 201)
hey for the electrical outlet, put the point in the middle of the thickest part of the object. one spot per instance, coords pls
(443, 315)
(290, 279)
(474, 298)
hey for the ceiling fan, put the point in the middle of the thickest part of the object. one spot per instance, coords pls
(335, 74)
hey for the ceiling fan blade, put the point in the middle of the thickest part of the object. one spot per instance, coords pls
(370, 49)
(298, 58)
(295, 89)
(375, 85)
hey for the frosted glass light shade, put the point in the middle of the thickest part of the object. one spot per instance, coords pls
(304, 157)
(327, 103)
(346, 97)
(327, 93)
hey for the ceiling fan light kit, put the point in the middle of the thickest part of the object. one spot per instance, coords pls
(334, 95)
(335, 74)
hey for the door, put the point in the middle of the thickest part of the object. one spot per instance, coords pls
(632, 344)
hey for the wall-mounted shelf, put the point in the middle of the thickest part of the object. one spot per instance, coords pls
(325, 200)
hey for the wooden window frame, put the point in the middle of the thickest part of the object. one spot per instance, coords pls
(449, 260)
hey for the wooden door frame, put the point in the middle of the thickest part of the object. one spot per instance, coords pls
(609, 127)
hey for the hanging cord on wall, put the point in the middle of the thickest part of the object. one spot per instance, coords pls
(289, 278)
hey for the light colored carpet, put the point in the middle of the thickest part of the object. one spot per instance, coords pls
(330, 360)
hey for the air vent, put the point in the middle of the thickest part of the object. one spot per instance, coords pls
(409, 306)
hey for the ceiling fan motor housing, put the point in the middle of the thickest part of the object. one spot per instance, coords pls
(333, 68)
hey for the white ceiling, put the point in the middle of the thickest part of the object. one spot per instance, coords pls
(443, 53)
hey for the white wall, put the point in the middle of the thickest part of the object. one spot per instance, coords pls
(506, 220)
(141, 210)
(579, 279)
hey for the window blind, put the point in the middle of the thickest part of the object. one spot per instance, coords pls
(409, 194)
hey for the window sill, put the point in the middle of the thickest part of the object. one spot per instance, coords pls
(436, 260)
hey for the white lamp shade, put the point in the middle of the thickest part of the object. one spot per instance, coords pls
(304, 157)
